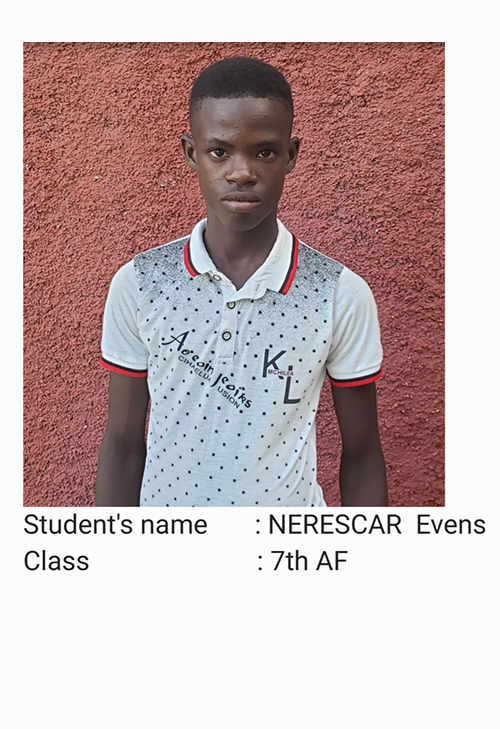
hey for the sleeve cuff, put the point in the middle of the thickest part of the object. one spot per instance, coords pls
(356, 381)
(121, 369)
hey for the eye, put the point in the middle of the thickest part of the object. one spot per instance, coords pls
(266, 154)
(217, 153)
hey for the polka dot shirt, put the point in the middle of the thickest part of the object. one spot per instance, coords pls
(235, 375)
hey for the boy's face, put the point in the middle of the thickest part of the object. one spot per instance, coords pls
(241, 150)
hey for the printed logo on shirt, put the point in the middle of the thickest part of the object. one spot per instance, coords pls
(191, 359)
(270, 366)
(234, 394)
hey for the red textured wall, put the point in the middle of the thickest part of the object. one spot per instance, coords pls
(104, 179)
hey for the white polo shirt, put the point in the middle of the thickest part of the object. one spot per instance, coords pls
(235, 375)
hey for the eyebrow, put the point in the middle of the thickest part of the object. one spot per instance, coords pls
(225, 143)
(214, 140)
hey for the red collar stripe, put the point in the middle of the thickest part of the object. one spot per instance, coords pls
(292, 268)
(187, 260)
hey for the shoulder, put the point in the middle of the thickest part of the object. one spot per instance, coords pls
(124, 278)
(316, 261)
(350, 294)
(131, 275)
(161, 264)
(348, 284)
(352, 286)
(162, 253)
(317, 275)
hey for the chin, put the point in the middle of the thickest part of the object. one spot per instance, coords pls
(244, 221)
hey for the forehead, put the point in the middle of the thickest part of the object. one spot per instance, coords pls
(241, 116)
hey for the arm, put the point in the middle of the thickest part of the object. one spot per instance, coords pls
(362, 467)
(123, 450)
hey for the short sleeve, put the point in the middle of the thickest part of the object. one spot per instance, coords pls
(122, 348)
(355, 356)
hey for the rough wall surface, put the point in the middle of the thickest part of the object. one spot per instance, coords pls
(104, 179)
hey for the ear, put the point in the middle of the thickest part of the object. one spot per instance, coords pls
(189, 150)
(293, 151)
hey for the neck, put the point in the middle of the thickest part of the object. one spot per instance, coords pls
(237, 251)
(237, 243)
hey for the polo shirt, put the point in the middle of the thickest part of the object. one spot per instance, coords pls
(235, 376)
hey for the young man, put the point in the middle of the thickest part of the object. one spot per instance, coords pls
(229, 332)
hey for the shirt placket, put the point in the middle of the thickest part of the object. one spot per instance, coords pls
(228, 321)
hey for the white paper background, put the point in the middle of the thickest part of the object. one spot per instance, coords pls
(187, 632)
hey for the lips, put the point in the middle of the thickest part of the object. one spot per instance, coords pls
(241, 201)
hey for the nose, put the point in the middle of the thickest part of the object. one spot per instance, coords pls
(240, 172)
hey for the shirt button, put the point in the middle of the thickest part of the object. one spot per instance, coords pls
(216, 278)
(226, 336)
(231, 304)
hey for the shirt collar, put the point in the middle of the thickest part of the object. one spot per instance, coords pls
(276, 273)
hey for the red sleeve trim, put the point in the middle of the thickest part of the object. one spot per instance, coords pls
(357, 381)
(122, 370)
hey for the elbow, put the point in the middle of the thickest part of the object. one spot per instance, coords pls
(123, 447)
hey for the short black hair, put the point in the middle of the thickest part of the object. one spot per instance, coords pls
(237, 77)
